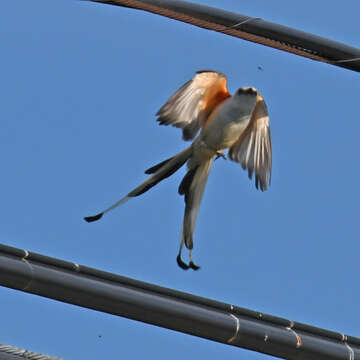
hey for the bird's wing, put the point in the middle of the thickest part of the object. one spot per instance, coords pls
(253, 148)
(189, 106)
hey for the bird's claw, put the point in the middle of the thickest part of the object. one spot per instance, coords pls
(220, 154)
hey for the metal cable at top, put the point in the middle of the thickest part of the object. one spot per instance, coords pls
(251, 29)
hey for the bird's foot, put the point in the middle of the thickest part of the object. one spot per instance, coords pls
(220, 154)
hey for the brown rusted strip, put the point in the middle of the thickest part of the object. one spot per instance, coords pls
(213, 26)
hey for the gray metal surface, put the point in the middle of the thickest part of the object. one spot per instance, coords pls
(8, 352)
(221, 322)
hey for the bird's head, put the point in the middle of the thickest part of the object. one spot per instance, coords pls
(246, 90)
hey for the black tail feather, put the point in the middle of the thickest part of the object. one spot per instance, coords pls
(156, 167)
(93, 218)
(194, 266)
(181, 263)
(184, 187)
(155, 180)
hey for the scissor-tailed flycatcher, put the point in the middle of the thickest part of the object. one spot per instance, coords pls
(239, 123)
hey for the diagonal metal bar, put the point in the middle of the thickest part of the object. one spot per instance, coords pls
(171, 309)
(251, 29)
(8, 352)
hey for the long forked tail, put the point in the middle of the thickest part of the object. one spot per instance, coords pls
(192, 187)
(159, 172)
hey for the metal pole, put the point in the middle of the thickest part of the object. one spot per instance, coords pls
(251, 29)
(8, 352)
(213, 320)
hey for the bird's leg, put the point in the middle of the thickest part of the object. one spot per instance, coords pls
(220, 154)
(191, 263)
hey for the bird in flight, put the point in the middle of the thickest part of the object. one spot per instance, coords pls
(238, 122)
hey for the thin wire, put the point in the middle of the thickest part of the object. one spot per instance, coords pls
(243, 22)
(344, 61)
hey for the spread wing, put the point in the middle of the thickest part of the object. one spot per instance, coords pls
(253, 148)
(189, 106)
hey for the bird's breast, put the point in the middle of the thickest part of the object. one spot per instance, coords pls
(225, 125)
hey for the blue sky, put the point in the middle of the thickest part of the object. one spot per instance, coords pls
(80, 86)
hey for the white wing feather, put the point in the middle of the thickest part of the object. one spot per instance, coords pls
(253, 148)
(183, 109)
